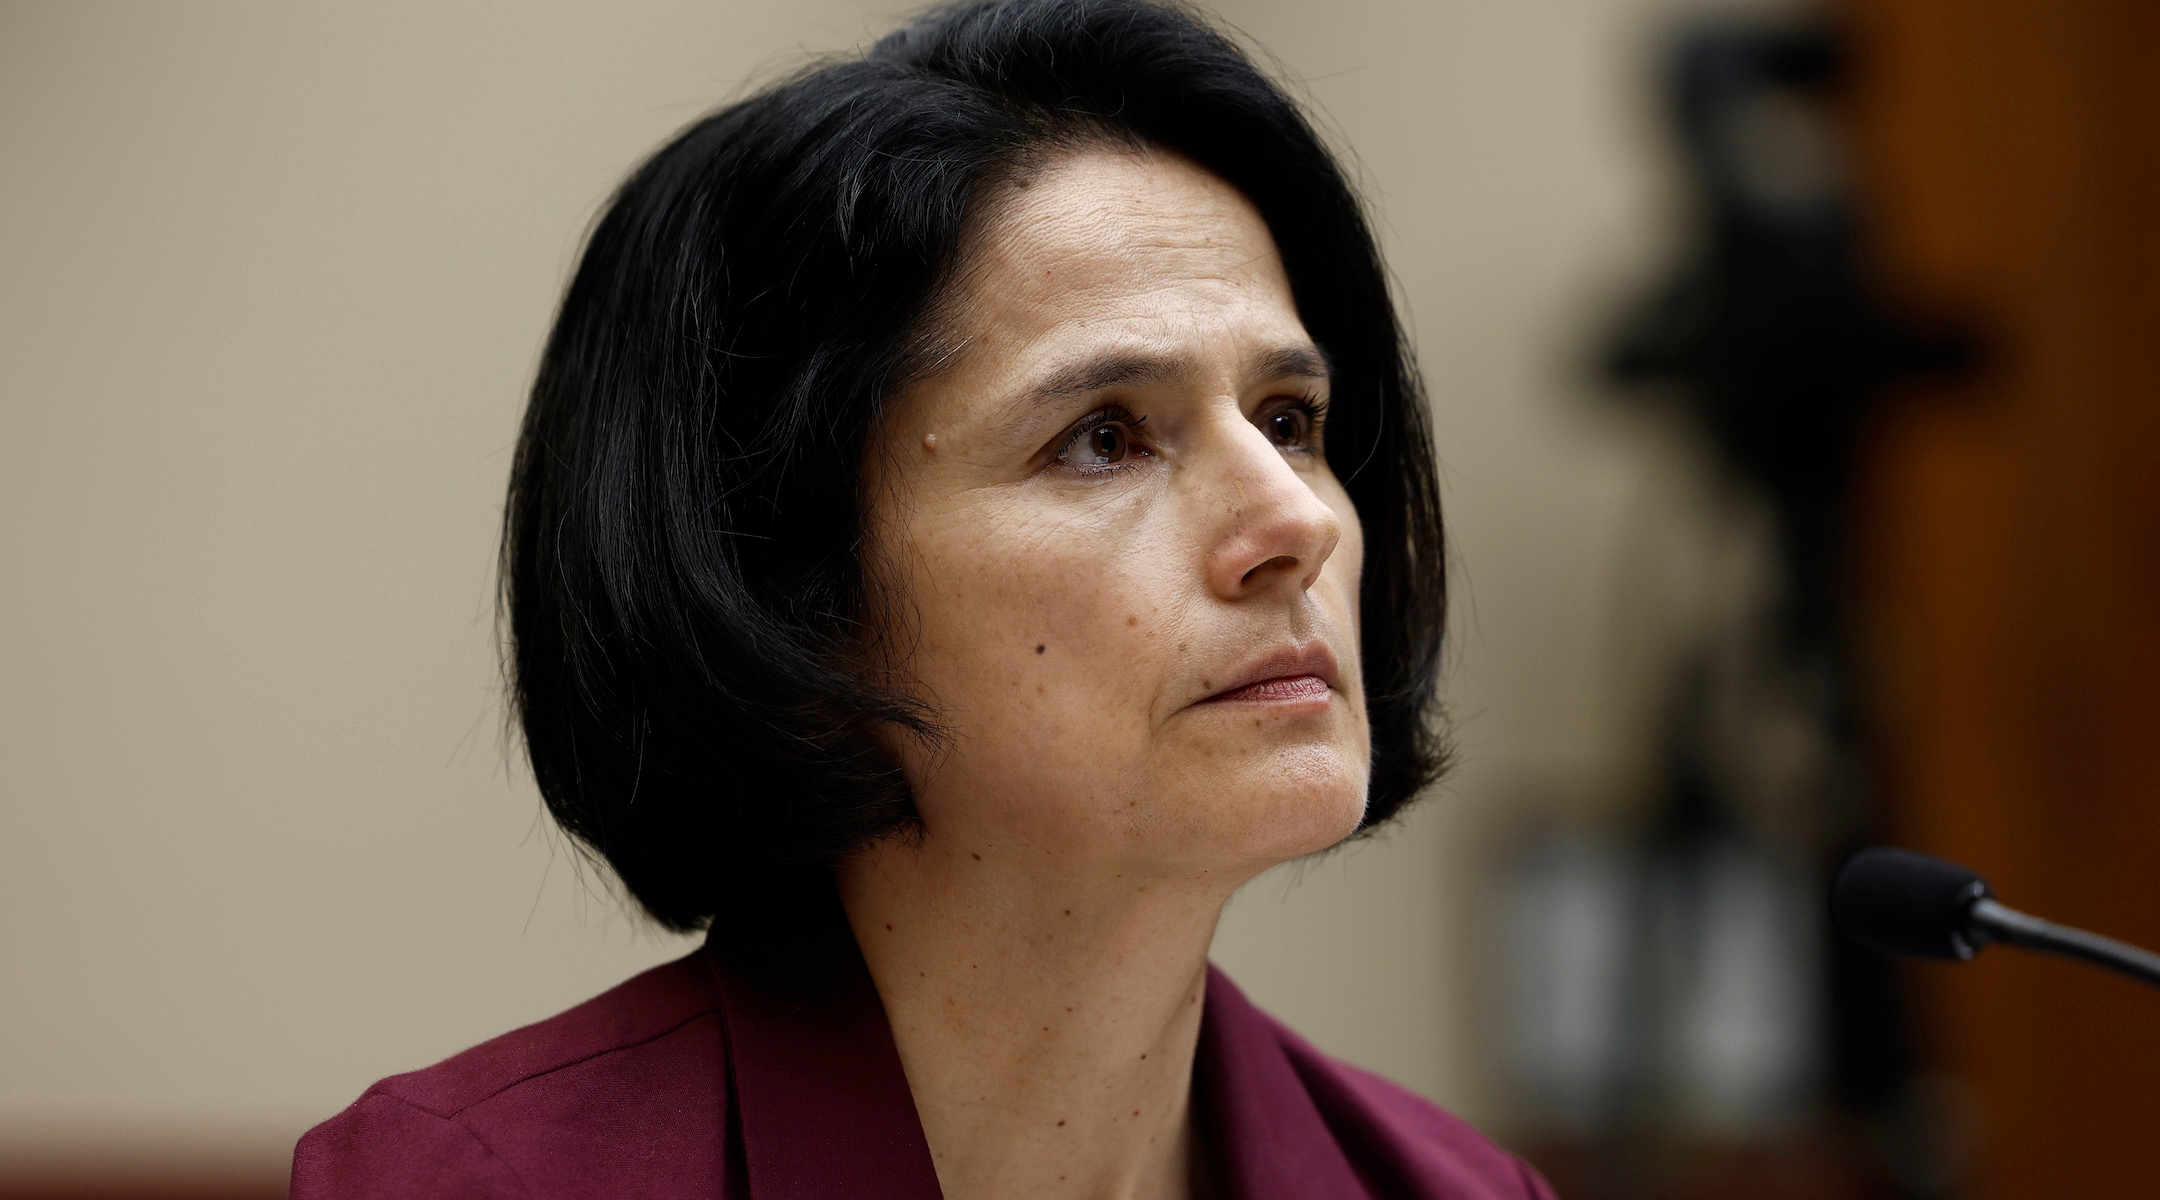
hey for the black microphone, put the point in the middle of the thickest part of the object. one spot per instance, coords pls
(1902, 902)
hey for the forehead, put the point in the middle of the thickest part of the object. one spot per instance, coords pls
(1142, 250)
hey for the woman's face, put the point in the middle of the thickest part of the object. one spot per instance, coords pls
(1120, 566)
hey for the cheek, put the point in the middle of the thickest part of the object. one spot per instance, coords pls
(1042, 642)
(1051, 640)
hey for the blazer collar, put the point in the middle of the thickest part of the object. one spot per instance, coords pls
(822, 1105)
(823, 1108)
(1268, 1138)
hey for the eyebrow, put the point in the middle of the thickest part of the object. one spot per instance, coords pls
(1288, 361)
(1131, 369)
(1109, 371)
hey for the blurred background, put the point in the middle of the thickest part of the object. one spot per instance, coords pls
(1793, 377)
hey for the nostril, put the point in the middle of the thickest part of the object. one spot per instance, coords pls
(1284, 561)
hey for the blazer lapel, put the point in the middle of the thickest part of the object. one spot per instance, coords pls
(1267, 1137)
(822, 1103)
(822, 1106)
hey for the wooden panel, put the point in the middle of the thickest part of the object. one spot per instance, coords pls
(2013, 533)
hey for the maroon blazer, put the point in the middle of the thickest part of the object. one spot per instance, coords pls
(712, 1079)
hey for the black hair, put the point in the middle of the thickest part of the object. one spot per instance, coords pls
(682, 564)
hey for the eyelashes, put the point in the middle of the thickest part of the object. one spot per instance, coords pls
(1311, 410)
(1103, 441)
(1111, 437)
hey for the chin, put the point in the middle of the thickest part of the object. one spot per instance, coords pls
(1288, 804)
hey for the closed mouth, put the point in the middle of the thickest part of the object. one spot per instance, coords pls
(1281, 689)
(1294, 675)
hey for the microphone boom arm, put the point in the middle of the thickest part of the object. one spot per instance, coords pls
(1993, 922)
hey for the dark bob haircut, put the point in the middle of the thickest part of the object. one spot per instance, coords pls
(681, 565)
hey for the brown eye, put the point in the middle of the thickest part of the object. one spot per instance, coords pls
(1288, 427)
(1105, 439)
(1108, 443)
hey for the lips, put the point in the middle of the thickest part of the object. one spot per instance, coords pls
(1291, 688)
(1292, 675)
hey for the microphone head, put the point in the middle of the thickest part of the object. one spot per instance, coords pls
(1901, 902)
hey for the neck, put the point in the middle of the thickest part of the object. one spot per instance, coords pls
(1047, 1021)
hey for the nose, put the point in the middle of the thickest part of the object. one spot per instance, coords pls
(1275, 532)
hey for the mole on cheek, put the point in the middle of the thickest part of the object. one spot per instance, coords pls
(929, 443)
(1038, 648)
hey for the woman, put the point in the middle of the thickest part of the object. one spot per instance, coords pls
(975, 512)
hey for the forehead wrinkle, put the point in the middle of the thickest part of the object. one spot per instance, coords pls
(1080, 242)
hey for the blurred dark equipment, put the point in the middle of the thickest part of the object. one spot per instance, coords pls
(1773, 336)
(1776, 347)
(1900, 902)
(1772, 343)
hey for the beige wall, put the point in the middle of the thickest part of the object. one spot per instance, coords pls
(272, 280)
